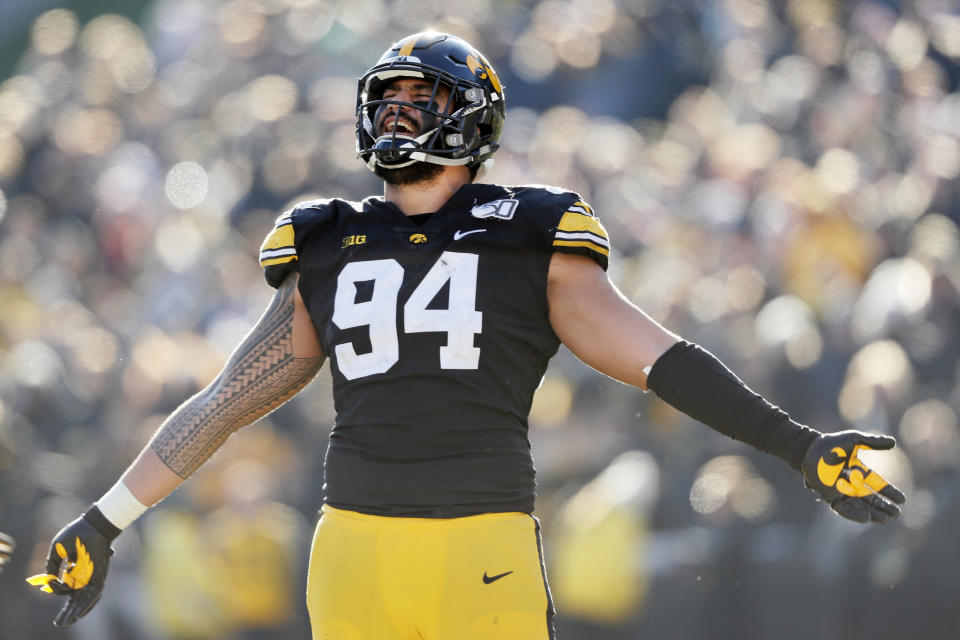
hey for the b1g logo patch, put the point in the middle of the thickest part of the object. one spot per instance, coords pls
(499, 209)
(353, 240)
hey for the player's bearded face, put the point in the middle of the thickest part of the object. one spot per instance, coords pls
(410, 123)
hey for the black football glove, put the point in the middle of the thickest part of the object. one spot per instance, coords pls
(7, 545)
(833, 469)
(77, 565)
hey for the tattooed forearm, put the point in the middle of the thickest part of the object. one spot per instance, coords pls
(261, 375)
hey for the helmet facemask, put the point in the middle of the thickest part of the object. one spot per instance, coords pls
(442, 138)
(396, 141)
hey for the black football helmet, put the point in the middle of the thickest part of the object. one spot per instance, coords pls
(468, 135)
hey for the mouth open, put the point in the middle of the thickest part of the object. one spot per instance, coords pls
(403, 127)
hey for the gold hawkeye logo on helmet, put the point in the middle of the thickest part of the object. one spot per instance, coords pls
(418, 238)
(482, 70)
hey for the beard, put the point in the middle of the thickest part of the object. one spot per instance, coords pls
(416, 173)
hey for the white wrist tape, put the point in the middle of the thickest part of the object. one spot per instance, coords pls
(120, 506)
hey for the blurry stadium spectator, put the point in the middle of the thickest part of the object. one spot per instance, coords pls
(599, 544)
(7, 545)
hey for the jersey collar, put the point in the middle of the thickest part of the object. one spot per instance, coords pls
(465, 198)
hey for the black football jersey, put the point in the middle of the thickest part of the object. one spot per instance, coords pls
(438, 335)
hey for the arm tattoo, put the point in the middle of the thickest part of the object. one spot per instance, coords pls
(260, 376)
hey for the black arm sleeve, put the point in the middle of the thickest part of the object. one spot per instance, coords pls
(694, 381)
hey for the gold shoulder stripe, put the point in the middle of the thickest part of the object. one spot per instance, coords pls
(581, 229)
(583, 243)
(581, 235)
(278, 247)
(576, 221)
(582, 207)
(267, 262)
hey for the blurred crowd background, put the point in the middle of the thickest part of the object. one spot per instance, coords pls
(779, 179)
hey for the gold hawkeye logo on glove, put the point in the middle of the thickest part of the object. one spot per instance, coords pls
(858, 482)
(74, 575)
(832, 467)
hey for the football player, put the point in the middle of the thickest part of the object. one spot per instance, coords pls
(439, 306)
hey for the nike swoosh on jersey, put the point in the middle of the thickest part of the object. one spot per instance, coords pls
(459, 234)
(488, 579)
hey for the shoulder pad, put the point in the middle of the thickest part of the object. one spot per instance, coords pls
(573, 226)
(580, 231)
(317, 203)
(545, 193)
(558, 191)
(279, 252)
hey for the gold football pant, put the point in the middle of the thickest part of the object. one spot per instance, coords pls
(383, 578)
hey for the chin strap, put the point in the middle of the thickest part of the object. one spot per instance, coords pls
(421, 156)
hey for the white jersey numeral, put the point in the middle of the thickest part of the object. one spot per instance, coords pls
(387, 276)
(460, 320)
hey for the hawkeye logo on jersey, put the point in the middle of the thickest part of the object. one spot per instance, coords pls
(418, 238)
(499, 209)
(353, 240)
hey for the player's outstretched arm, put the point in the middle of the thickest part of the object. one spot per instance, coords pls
(277, 359)
(608, 332)
(279, 356)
